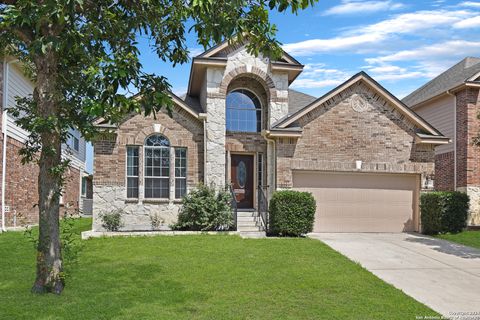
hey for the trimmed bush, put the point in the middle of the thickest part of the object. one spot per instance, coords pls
(443, 212)
(112, 221)
(292, 213)
(205, 209)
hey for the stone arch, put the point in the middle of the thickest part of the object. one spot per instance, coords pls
(255, 73)
(156, 128)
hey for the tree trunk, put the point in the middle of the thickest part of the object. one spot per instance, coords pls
(49, 276)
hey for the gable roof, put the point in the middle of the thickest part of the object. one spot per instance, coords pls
(361, 76)
(464, 71)
(225, 45)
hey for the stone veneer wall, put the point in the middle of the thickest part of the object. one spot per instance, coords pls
(335, 136)
(109, 190)
(468, 155)
(240, 64)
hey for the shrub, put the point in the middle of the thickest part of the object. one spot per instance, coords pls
(443, 212)
(155, 221)
(292, 213)
(205, 209)
(112, 221)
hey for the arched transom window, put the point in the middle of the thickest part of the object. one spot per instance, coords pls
(157, 167)
(165, 169)
(244, 111)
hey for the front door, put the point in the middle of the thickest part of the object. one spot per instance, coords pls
(242, 176)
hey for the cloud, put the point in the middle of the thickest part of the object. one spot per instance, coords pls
(388, 72)
(468, 23)
(318, 75)
(349, 7)
(448, 49)
(195, 52)
(471, 4)
(371, 36)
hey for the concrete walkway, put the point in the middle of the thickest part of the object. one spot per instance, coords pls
(442, 275)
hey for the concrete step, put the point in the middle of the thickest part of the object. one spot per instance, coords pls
(249, 228)
(253, 234)
(248, 224)
(248, 219)
(247, 214)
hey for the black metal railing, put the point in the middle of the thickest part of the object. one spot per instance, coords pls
(233, 204)
(263, 206)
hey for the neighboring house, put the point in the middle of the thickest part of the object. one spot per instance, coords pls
(362, 153)
(451, 102)
(19, 201)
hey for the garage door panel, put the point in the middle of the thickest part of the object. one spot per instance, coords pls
(360, 202)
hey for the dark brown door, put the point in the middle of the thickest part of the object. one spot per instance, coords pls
(242, 180)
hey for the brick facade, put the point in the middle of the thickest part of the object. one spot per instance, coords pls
(444, 171)
(335, 136)
(21, 181)
(22, 188)
(468, 155)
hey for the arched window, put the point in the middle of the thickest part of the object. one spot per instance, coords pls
(244, 111)
(157, 167)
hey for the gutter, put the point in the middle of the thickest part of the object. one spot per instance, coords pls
(266, 136)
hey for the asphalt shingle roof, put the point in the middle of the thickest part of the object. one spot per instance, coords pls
(449, 79)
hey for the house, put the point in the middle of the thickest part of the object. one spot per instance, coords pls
(19, 182)
(362, 153)
(451, 102)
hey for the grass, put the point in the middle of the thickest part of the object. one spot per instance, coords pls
(468, 238)
(201, 277)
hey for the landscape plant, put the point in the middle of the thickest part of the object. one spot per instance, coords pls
(205, 209)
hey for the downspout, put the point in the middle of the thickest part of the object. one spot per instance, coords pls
(203, 117)
(265, 134)
(4, 131)
(454, 139)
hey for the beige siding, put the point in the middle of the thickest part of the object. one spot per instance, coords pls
(440, 114)
(18, 85)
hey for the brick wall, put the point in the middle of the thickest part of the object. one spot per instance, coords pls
(335, 136)
(182, 130)
(444, 171)
(468, 156)
(22, 187)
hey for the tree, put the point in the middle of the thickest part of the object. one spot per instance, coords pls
(82, 53)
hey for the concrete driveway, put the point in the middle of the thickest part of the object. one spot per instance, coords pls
(438, 273)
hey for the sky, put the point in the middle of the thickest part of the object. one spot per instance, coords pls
(401, 44)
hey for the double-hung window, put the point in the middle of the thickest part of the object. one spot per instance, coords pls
(180, 172)
(132, 171)
(157, 167)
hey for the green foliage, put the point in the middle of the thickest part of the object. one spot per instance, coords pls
(443, 212)
(112, 221)
(292, 213)
(205, 209)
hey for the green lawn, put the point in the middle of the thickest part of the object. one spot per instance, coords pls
(468, 238)
(201, 277)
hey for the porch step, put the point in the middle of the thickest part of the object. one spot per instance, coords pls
(248, 219)
(249, 229)
(246, 214)
(253, 234)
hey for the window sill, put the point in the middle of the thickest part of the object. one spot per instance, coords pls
(131, 200)
(156, 200)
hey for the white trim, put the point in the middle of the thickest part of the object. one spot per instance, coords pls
(5, 137)
(474, 77)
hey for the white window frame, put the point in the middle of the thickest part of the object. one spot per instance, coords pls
(132, 176)
(262, 110)
(145, 177)
(175, 171)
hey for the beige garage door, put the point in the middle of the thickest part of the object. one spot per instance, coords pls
(361, 202)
